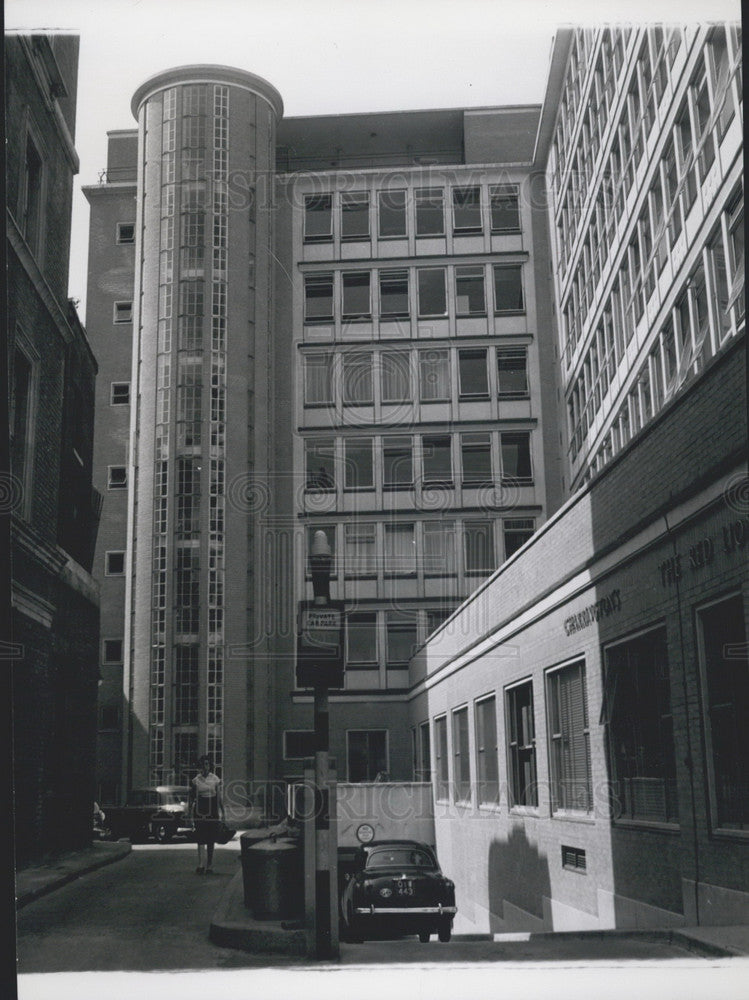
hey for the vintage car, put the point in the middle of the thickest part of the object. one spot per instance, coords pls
(160, 812)
(397, 888)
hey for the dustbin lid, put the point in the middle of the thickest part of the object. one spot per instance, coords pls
(271, 846)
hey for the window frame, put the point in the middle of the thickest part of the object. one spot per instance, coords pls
(321, 237)
(429, 197)
(116, 660)
(355, 203)
(422, 314)
(381, 197)
(120, 309)
(469, 273)
(514, 310)
(472, 191)
(498, 193)
(556, 741)
(512, 352)
(113, 387)
(348, 279)
(393, 275)
(363, 664)
(107, 560)
(120, 241)
(461, 756)
(467, 353)
(441, 751)
(284, 748)
(349, 732)
(514, 748)
(113, 481)
(482, 781)
(319, 279)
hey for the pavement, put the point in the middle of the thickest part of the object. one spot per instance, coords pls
(39, 879)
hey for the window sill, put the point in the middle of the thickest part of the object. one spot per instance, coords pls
(374, 665)
(513, 395)
(442, 315)
(726, 833)
(318, 239)
(478, 484)
(363, 402)
(646, 825)
(430, 236)
(516, 482)
(396, 487)
(320, 489)
(435, 574)
(509, 312)
(474, 315)
(318, 320)
(441, 399)
(358, 318)
(469, 231)
(400, 576)
(474, 397)
(356, 238)
(489, 807)
(391, 317)
(318, 406)
(506, 232)
(570, 816)
(479, 572)
(367, 488)
(392, 236)
(524, 811)
(444, 484)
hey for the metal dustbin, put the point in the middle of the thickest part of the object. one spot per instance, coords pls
(276, 880)
(246, 842)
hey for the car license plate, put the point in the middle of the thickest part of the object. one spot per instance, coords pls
(405, 888)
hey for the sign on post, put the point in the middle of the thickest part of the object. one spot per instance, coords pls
(320, 645)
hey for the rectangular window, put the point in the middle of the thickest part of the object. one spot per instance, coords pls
(112, 651)
(356, 297)
(395, 376)
(434, 376)
(472, 376)
(517, 531)
(120, 393)
(361, 639)
(726, 693)
(508, 288)
(439, 548)
(425, 754)
(125, 232)
(397, 462)
(436, 460)
(359, 471)
(476, 456)
(401, 639)
(430, 214)
(505, 208)
(186, 686)
(392, 214)
(637, 706)
(318, 218)
(114, 563)
(432, 298)
(394, 294)
(21, 417)
(512, 372)
(360, 553)
(486, 752)
(400, 550)
(298, 744)
(318, 379)
(357, 378)
(467, 210)
(32, 194)
(366, 754)
(521, 745)
(355, 216)
(441, 763)
(116, 477)
(123, 312)
(469, 291)
(188, 495)
(569, 739)
(320, 463)
(478, 540)
(461, 756)
(318, 297)
(516, 457)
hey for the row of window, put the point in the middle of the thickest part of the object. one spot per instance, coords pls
(394, 300)
(392, 461)
(352, 376)
(421, 211)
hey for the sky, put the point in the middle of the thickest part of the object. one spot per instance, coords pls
(324, 56)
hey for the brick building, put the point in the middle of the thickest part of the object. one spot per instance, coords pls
(54, 510)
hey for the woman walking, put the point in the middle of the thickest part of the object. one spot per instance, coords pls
(206, 808)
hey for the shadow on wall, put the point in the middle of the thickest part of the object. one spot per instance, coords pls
(519, 876)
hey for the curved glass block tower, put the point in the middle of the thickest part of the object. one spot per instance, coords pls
(203, 302)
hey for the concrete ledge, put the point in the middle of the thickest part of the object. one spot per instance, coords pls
(233, 926)
(38, 880)
(690, 940)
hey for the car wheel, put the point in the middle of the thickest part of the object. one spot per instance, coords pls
(424, 937)
(163, 832)
(445, 931)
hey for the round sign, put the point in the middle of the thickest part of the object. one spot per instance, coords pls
(365, 833)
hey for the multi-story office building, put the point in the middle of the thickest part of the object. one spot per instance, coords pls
(338, 324)
(48, 495)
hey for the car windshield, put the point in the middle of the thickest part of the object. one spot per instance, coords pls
(398, 856)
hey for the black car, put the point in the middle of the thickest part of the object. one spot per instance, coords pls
(397, 888)
(159, 812)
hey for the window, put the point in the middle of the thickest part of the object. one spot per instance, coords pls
(478, 540)
(461, 756)
(425, 754)
(521, 745)
(360, 552)
(356, 298)
(508, 288)
(394, 294)
(186, 686)
(516, 457)
(189, 403)
(358, 466)
(436, 616)
(355, 216)
(395, 377)
(32, 204)
(397, 462)
(400, 550)
(318, 298)
(569, 739)
(320, 463)
(432, 298)
(318, 379)
(486, 751)
(392, 214)
(726, 693)
(442, 790)
(125, 232)
(430, 215)
(330, 536)
(467, 210)
(357, 378)
(366, 754)
(114, 563)
(637, 708)
(298, 744)
(187, 587)
(439, 548)
(469, 291)
(512, 372)
(517, 531)
(361, 639)
(188, 495)
(123, 312)
(436, 460)
(472, 376)
(112, 650)
(476, 457)
(21, 417)
(401, 638)
(434, 376)
(318, 218)
(116, 477)
(120, 393)
(505, 208)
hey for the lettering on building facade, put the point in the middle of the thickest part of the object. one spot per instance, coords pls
(593, 613)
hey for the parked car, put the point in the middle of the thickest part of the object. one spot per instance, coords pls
(160, 812)
(397, 888)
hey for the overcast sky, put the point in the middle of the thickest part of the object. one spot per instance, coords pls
(324, 56)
